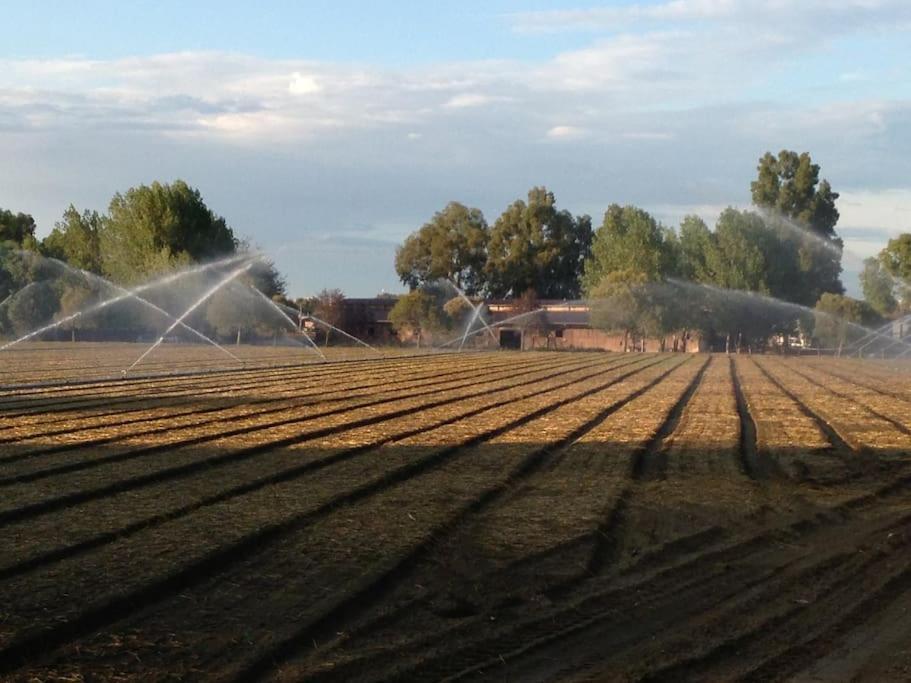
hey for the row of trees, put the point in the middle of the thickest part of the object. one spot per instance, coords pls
(147, 232)
(532, 245)
(647, 279)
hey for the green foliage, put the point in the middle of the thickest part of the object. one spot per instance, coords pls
(696, 243)
(419, 312)
(76, 240)
(834, 315)
(34, 305)
(878, 287)
(745, 254)
(789, 184)
(896, 257)
(18, 228)
(535, 247)
(619, 303)
(452, 246)
(631, 241)
(152, 229)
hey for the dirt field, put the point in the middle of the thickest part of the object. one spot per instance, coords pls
(496, 516)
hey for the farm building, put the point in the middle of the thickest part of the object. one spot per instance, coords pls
(567, 325)
(558, 325)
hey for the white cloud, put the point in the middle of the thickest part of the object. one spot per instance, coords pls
(565, 132)
(888, 210)
(303, 84)
(466, 100)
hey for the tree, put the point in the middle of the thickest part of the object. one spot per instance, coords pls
(878, 287)
(631, 241)
(32, 307)
(789, 187)
(452, 246)
(74, 298)
(419, 312)
(896, 257)
(157, 227)
(18, 228)
(696, 242)
(231, 313)
(619, 304)
(76, 240)
(534, 246)
(838, 317)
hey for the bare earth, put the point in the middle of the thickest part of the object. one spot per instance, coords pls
(502, 516)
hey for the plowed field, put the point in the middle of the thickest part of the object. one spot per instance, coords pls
(501, 516)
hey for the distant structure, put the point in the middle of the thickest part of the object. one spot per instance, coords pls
(567, 325)
(560, 325)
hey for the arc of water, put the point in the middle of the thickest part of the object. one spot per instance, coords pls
(287, 317)
(469, 327)
(498, 324)
(158, 309)
(756, 296)
(350, 336)
(881, 330)
(474, 308)
(173, 277)
(199, 302)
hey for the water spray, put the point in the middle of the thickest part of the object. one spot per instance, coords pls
(199, 302)
(341, 331)
(502, 322)
(128, 293)
(287, 317)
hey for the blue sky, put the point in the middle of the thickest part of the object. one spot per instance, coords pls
(327, 131)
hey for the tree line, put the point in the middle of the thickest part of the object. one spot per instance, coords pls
(146, 232)
(645, 279)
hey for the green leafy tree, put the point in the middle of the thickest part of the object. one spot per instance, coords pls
(696, 243)
(620, 303)
(896, 257)
(788, 186)
(631, 241)
(452, 246)
(419, 312)
(535, 246)
(835, 314)
(76, 239)
(18, 228)
(153, 228)
(32, 307)
(878, 287)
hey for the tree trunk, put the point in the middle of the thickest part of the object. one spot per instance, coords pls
(326, 343)
(237, 343)
(727, 344)
(73, 335)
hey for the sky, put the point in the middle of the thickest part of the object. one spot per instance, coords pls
(326, 132)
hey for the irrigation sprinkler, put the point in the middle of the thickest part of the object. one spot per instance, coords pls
(199, 302)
